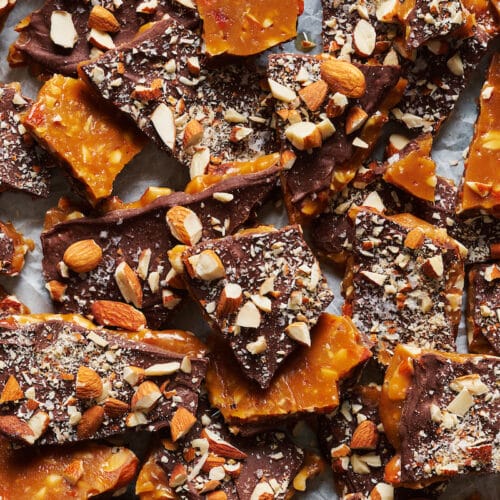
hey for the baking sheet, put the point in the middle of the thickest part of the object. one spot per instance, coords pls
(153, 167)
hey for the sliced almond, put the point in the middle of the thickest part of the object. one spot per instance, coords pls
(162, 369)
(181, 423)
(206, 266)
(299, 331)
(314, 95)
(62, 29)
(118, 314)
(248, 316)
(344, 77)
(193, 134)
(364, 38)
(184, 225)
(145, 397)
(88, 383)
(12, 391)
(129, 284)
(356, 118)
(83, 256)
(365, 436)
(230, 300)
(102, 19)
(90, 422)
(304, 135)
(163, 121)
(281, 92)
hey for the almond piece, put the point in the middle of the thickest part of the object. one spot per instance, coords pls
(230, 300)
(480, 188)
(212, 462)
(143, 264)
(88, 383)
(281, 92)
(239, 133)
(129, 284)
(374, 278)
(314, 95)
(336, 105)
(356, 118)
(62, 29)
(364, 38)
(83, 256)
(178, 476)
(414, 239)
(299, 331)
(145, 397)
(38, 424)
(73, 472)
(492, 273)
(433, 267)
(326, 128)
(382, 491)
(14, 428)
(163, 121)
(56, 290)
(184, 225)
(199, 163)
(365, 436)
(12, 391)
(115, 408)
(181, 423)
(216, 495)
(248, 316)
(135, 419)
(288, 159)
(90, 422)
(206, 266)
(162, 369)
(304, 135)
(187, 3)
(101, 40)
(220, 447)
(193, 134)
(118, 314)
(344, 77)
(193, 65)
(258, 346)
(102, 19)
(133, 375)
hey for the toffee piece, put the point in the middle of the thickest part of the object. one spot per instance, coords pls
(441, 413)
(308, 382)
(66, 119)
(209, 460)
(22, 164)
(481, 182)
(13, 249)
(262, 290)
(198, 113)
(404, 282)
(483, 311)
(10, 304)
(77, 471)
(65, 381)
(122, 256)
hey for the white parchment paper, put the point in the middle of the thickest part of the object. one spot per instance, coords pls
(154, 168)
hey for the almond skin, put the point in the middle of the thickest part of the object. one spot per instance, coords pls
(117, 314)
(314, 95)
(11, 391)
(365, 436)
(343, 77)
(83, 256)
(102, 19)
(181, 423)
(90, 423)
(115, 408)
(88, 383)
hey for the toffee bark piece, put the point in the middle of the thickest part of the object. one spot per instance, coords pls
(404, 282)
(66, 119)
(319, 125)
(246, 27)
(354, 442)
(118, 23)
(262, 290)
(197, 113)
(22, 165)
(440, 412)
(308, 381)
(81, 383)
(125, 235)
(65, 472)
(210, 460)
(10, 304)
(13, 248)
(483, 312)
(481, 182)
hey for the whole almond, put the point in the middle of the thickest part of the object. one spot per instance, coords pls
(115, 408)
(343, 77)
(117, 314)
(90, 422)
(365, 436)
(102, 19)
(88, 383)
(83, 256)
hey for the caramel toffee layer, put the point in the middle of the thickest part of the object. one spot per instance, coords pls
(64, 383)
(124, 234)
(268, 290)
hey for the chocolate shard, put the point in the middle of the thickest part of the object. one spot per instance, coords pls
(36, 47)
(13, 248)
(23, 166)
(164, 83)
(404, 282)
(65, 382)
(445, 423)
(122, 236)
(244, 467)
(316, 158)
(483, 311)
(262, 290)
